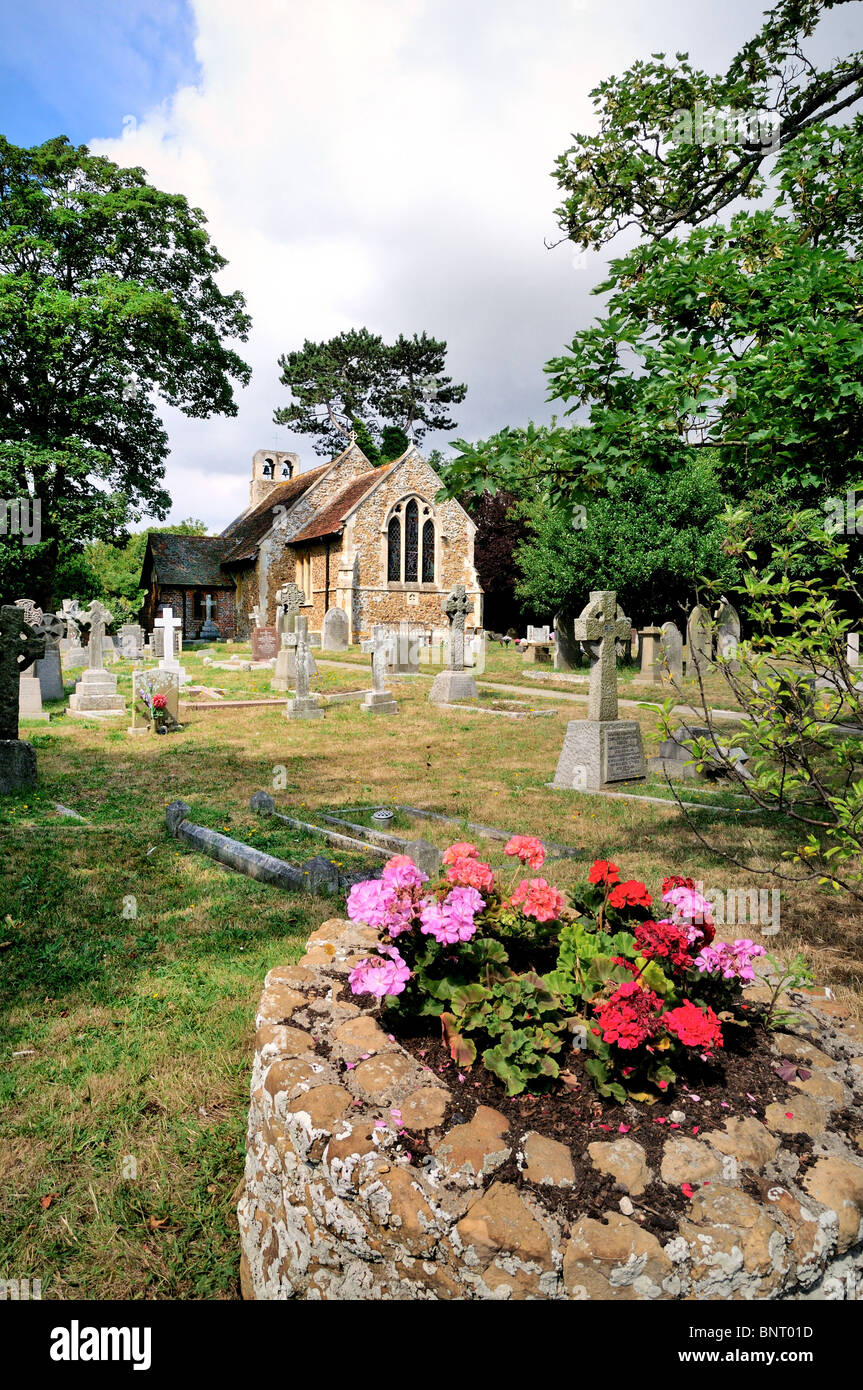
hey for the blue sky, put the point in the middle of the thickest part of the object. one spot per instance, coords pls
(83, 67)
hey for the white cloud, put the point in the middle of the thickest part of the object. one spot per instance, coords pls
(387, 163)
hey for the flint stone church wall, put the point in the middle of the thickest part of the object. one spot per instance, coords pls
(332, 1208)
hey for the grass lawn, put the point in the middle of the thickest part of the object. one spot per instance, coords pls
(131, 965)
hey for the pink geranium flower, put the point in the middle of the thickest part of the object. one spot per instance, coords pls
(401, 872)
(463, 849)
(529, 850)
(380, 977)
(538, 899)
(452, 920)
(471, 873)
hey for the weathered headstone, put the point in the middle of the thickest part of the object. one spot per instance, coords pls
(96, 692)
(379, 700)
(727, 623)
(265, 643)
(538, 634)
(209, 631)
(671, 648)
(304, 705)
(403, 649)
(678, 759)
(131, 639)
(20, 646)
(289, 599)
(601, 749)
(335, 633)
(30, 688)
(651, 657)
(699, 640)
(169, 625)
(455, 683)
(567, 651)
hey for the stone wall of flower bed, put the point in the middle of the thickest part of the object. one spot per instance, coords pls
(334, 1208)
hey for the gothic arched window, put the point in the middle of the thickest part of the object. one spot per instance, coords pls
(412, 525)
(394, 549)
(411, 543)
(428, 552)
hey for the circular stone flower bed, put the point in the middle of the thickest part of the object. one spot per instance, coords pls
(390, 1156)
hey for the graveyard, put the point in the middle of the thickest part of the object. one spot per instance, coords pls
(136, 978)
(431, 705)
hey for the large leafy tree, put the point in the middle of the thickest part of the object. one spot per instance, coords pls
(746, 334)
(109, 301)
(653, 538)
(356, 381)
(637, 170)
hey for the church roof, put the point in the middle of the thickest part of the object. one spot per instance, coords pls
(331, 518)
(187, 560)
(244, 535)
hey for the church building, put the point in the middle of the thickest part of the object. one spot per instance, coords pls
(370, 540)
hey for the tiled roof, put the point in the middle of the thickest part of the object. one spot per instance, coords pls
(187, 560)
(244, 535)
(331, 518)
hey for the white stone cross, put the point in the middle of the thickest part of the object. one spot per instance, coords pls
(255, 615)
(601, 623)
(170, 624)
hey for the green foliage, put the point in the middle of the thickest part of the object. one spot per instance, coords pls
(653, 538)
(114, 571)
(802, 715)
(638, 170)
(108, 300)
(790, 975)
(743, 336)
(358, 378)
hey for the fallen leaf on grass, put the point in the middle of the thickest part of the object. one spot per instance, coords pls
(155, 1223)
(45, 1202)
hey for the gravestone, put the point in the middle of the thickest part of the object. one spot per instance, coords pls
(651, 656)
(256, 616)
(304, 705)
(699, 639)
(170, 627)
(403, 650)
(29, 687)
(379, 700)
(671, 647)
(727, 623)
(20, 646)
(567, 651)
(601, 749)
(48, 670)
(131, 639)
(73, 652)
(538, 634)
(158, 681)
(209, 632)
(677, 758)
(289, 599)
(475, 653)
(454, 683)
(335, 633)
(96, 692)
(265, 643)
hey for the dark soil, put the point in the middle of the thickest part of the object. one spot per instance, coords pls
(739, 1082)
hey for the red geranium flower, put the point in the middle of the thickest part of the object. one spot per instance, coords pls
(666, 940)
(630, 1016)
(603, 871)
(693, 1026)
(629, 894)
(675, 881)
